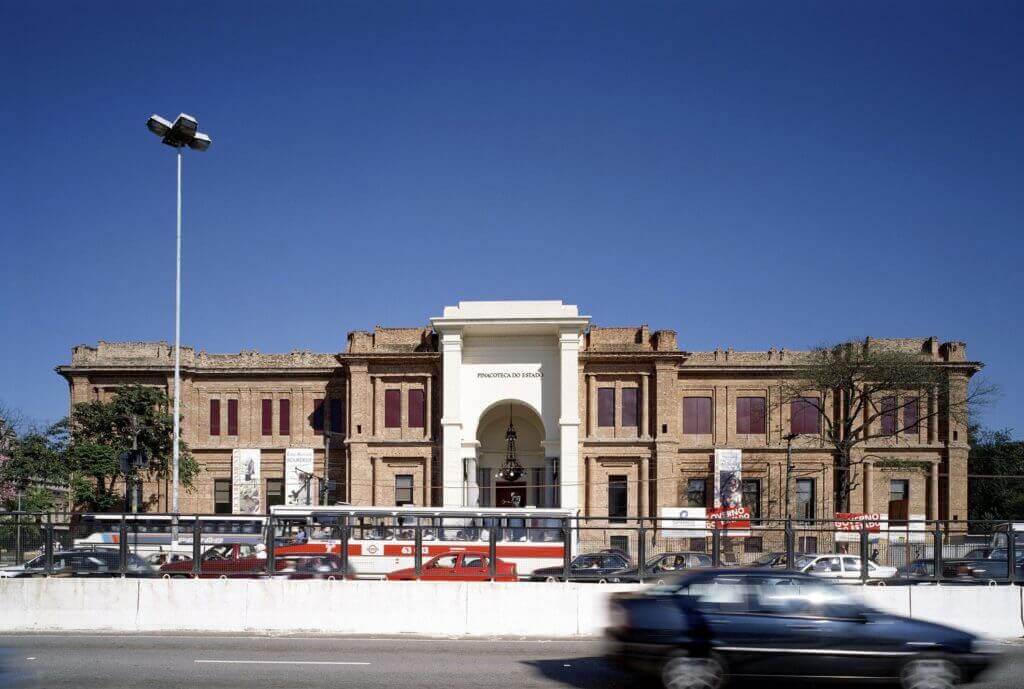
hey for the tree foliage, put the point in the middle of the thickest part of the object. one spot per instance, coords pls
(101, 431)
(852, 385)
(996, 468)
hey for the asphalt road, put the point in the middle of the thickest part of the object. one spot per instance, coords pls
(84, 661)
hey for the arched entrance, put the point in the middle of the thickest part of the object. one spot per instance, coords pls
(536, 487)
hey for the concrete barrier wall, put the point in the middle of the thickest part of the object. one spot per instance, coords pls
(424, 608)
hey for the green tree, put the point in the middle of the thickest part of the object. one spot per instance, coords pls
(101, 431)
(852, 385)
(995, 455)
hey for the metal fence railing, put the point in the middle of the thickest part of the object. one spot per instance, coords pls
(433, 546)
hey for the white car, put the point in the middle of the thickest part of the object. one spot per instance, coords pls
(839, 566)
(12, 571)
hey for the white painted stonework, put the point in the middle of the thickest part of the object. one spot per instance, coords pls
(501, 358)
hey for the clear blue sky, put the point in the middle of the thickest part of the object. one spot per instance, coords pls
(749, 174)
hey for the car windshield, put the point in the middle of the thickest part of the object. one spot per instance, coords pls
(804, 560)
(766, 559)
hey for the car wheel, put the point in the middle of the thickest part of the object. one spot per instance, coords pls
(551, 580)
(602, 581)
(661, 582)
(932, 672)
(686, 672)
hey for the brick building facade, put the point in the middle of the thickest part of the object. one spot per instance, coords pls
(609, 420)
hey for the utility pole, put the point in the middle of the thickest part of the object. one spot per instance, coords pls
(789, 466)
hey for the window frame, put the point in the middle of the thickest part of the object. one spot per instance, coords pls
(703, 491)
(318, 416)
(745, 410)
(215, 417)
(266, 416)
(618, 483)
(284, 412)
(218, 483)
(634, 408)
(696, 401)
(233, 417)
(805, 415)
(606, 407)
(411, 488)
(755, 511)
(813, 493)
(419, 407)
(392, 408)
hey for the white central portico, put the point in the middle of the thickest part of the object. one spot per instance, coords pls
(518, 361)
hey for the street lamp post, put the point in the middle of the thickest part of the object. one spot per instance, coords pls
(789, 438)
(182, 132)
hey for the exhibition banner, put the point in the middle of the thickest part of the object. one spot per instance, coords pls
(683, 522)
(728, 479)
(299, 486)
(245, 481)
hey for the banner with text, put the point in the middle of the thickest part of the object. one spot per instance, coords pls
(730, 518)
(299, 486)
(683, 522)
(728, 479)
(848, 525)
(245, 481)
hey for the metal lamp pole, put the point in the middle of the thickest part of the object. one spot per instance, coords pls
(182, 132)
(789, 466)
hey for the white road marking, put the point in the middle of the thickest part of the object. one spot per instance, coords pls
(30, 658)
(284, 637)
(281, 662)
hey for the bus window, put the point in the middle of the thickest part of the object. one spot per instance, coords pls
(459, 529)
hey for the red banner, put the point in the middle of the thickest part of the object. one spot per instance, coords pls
(729, 518)
(857, 521)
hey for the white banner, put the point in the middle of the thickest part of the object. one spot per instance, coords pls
(728, 478)
(298, 471)
(913, 532)
(683, 522)
(245, 481)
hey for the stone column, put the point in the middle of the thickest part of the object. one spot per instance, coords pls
(428, 415)
(375, 406)
(472, 487)
(645, 486)
(569, 420)
(451, 419)
(645, 426)
(591, 406)
(869, 477)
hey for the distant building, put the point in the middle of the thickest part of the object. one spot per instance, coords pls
(613, 421)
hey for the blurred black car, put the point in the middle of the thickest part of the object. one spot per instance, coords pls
(589, 567)
(775, 559)
(85, 562)
(705, 627)
(661, 566)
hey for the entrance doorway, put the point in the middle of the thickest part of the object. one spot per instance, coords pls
(510, 494)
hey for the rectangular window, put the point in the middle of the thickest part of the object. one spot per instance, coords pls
(267, 417)
(337, 415)
(483, 480)
(416, 408)
(753, 544)
(285, 417)
(807, 544)
(403, 489)
(318, 416)
(222, 496)
(392, 409)
(911, 416)
(899, 502)
(697, 415)
(750, 415)
(232, 417)
(275, 492)
(805, 499)
(214, 417)
(619, 543)
(888, 416)
(606, 407)
(618, 501)
(697, 492)
(804, 417)
(630, 407)
(752, 497)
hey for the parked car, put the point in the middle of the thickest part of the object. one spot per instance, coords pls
(773, 559)
(994, 567)
(225, 560)
(459, 566)
(703, 627)
(587, 567)
(980, 554)
(660, 566)
(83, 562)
(162, 558)
(838, 566)
(312, 566)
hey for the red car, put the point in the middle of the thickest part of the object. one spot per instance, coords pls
(226, 560)
(460, 566)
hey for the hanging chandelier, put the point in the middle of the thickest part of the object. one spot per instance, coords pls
(511, 470)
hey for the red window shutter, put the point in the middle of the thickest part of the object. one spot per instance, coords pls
(630, 403)
(689, 415)
(337, 415)
(416, 410)
(285, 417)
(606, 407)
(758, 415)
(214, 417)
(697, 415)
(267, 417)
(233, 417)
(911, 416)
(804, 416)
(318, 416)
(743, 415)
(392, 408)
(888, 416)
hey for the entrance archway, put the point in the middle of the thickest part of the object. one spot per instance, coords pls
(536, 487)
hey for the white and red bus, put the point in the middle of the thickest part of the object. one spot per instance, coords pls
(383, 539)
(154, 533)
